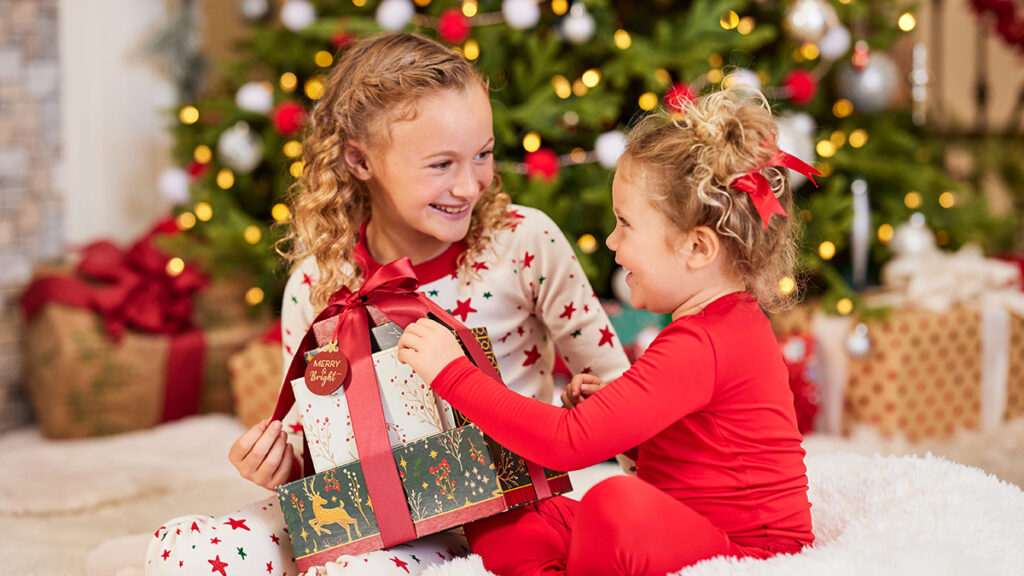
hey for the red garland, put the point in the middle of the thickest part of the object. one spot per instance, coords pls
(1009, 23)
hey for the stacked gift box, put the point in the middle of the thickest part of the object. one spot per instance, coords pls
(393, 462)
(113, 346)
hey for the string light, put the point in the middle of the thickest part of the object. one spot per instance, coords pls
(361, 3)
(469, 8)
(885, 232)
(746, 25)
(225, 178)
(838, 138)
(252, 234)
(809, 51)
(844, 306)
(323, 59)
(579, 88)
(531, 142)
(587, 243)
(825, 168)
(947, 199)
(906, 22)
(288, 82)
(787, 285)
(715, 76)
(647, 101)
(559, 7)
(806, 215)
(578, 155)
(622, 39)
(570, 118)
(175, 266)
(296, 168)
(827, 250)
(715, 60)
(314, 88)
(420, 3)
(842, 108)
(202, 154)
(730, 20)
(825, 148)
(204, 211)
(189, 115)
(280, 213)
(912, 200)
(253, 296)
(591, 78)
(471, 49)
(662, 76)
(186, 220)
(563, 89)
(292, 149)
(858, 138)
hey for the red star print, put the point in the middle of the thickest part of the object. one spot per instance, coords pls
(218, 566)
(586, 308)
(515, 214)
(214, 540)
(520, 330)
(296, 427)
(270, 567)
(306, 279)
(275, 539)
(400, 563)
(586, 370)
(567, 313)
(441, 555)
(177, 531)
(478, 266)
(606, 336)
(181, 563)
(532, 355)
(195, 527)
(287, 348)
(463, 309)
(527, 259)
(236, 524)
(166, 554)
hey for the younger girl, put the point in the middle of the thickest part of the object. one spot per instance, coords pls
(720, 467)
(399, 163)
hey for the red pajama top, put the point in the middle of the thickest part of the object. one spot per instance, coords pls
(708, 407)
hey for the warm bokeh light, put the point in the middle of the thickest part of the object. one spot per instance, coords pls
(314, 88)
(715, 76)
(175, 266)
(663, 76)
(578, 155)
(746, 25)
(591, 78)
(186, 220)
(471, 49)
(787, 285)
(885, 232)
(203, 211)
(189, 115)
(225, 178)
(912, 200)
(648, 101)
(579, 88)
(469, 8)
(323, 59)
(844, 306)
(809, 51)
(947, 199)
(730, 20)
(531, 142)
(253, 296)
(202, 154)
(622, 39)
(842, 108)
(252, 234)
(295, 169)
(280, 213)
(288, 82)
(827, 250)
(587, 243)
(858, 138)
(562, 86)
(293, 149)
(838, 138)
(907, 22)
(825, 148)
(559, 7)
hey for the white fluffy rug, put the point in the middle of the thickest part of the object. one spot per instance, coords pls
(872, 514)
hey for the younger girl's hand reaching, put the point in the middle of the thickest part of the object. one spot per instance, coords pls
(427, 347)
(579, 388)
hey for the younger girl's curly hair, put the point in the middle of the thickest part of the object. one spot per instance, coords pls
(375, 83)
(688, 162)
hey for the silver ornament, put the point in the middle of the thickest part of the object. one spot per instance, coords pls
(240, 148)
(858, 343)
(796, 136)
(913, 238)
(254, 10)
(809, 20)
(872, 88)
(578, 26)
(520, 14)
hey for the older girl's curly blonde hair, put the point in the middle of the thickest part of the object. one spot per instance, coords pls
(377, 82)
(688, 162)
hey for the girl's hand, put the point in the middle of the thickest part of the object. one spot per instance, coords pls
(579, 388)
(263, 455)
(427, 347)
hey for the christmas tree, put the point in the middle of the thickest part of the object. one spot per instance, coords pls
(568, 79)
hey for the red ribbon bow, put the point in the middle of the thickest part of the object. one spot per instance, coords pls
(755, 184)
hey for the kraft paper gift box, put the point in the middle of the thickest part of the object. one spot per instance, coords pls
(390, 481)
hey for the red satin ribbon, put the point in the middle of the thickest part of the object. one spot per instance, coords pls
(755, 184)
(133, 290)
(392, 290)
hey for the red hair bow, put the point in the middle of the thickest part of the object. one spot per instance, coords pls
(755, 184)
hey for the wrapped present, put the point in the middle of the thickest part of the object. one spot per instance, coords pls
(437, 475)
(111, 347)
(799, 355)
(255, 376)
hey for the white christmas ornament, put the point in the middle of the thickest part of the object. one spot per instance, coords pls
(296, 15)
(643, 339)
(619, 287)
(173, 185)
(809, 20)
(255, 97)
(913, 239)
(253, 10)
(742, 77)
(796, 136)
(834, 44)
(520, 14)
(394, 14)
(608, 147)
(858, 343)
(578, 26)
(240, 148)
(872, 88)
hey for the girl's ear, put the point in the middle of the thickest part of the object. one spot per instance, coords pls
(356, 161)
(701, 247)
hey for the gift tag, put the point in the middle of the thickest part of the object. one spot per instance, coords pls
(326, 372)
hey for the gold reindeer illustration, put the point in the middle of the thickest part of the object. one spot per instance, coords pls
(324, 516)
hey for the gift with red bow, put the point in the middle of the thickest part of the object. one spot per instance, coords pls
(375, 434)
(111, 346)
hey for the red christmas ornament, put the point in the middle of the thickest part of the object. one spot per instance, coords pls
(453, 26)
(542, 163)
(288, 117)
(341, 39)
(196, 170)
(802, 86)
(678, 96)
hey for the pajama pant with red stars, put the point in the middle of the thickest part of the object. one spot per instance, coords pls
(622, 526)
(253, 540)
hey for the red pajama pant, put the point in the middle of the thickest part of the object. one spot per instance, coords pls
(622, 526)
